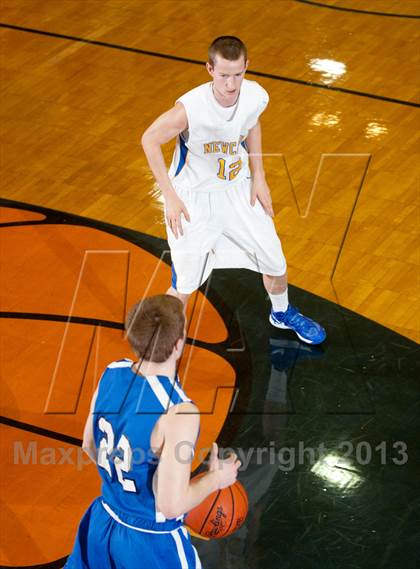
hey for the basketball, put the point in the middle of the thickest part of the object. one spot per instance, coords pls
(221, 513)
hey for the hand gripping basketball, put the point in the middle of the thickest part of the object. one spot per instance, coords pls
(225, 510)
(227, 469)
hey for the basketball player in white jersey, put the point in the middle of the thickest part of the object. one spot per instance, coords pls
(218, 208)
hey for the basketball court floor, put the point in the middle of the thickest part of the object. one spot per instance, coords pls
(328, 435)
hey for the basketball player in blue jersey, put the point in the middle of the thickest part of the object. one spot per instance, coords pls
(217, 183)
(140, 432)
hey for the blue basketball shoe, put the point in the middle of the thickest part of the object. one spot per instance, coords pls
(306, 329)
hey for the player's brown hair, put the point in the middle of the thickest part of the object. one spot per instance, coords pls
(228, 47)
(154, 325)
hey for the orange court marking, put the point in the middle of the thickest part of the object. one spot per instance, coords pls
(11, 214)
(48, 358)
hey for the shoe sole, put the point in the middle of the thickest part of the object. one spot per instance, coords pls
(284, 327)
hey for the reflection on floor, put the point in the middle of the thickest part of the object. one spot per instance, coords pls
(328, 437)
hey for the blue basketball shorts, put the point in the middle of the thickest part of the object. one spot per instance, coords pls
(104, 543)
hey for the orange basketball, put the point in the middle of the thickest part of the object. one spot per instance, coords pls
(221, 513)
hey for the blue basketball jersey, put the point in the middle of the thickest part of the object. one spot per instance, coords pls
(127, 408)
(122, 529)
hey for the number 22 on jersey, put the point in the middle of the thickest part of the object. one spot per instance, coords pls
(108, 458)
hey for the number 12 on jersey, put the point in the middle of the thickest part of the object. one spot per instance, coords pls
(234, 169)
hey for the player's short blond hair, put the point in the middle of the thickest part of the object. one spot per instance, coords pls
(154, 325)
(228, 47)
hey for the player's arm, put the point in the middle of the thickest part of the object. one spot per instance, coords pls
(176, 493)
(162, 130)
(260, 188)
(88, 444)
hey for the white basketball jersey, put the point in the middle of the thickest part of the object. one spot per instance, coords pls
(212, 151)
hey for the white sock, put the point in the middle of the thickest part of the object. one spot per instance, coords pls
(280, 302)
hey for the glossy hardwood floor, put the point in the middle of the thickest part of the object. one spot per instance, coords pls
(341, 129)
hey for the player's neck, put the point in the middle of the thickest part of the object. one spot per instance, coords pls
(220, 100)
(146, 368)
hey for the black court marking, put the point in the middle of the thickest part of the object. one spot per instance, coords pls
(201, 63)
(217, 348)
(63, 318)
(57, 564)
(356, 10)
(22, 223)
(40, 431)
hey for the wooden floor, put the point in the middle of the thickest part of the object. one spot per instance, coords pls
(72, 114)
(341, 137)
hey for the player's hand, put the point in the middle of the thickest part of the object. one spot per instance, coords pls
(226, 469)
(261, 191)
(174, 207)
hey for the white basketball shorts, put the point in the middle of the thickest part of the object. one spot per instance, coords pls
(225, 231)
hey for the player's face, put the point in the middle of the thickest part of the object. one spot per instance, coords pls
(227, 78)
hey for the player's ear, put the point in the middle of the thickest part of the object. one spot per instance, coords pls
(179, 345)
(210, 68)
(246, 64)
